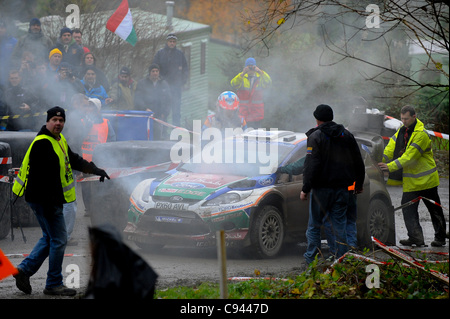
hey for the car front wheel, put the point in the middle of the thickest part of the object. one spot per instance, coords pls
(379, 224)
(267, 232)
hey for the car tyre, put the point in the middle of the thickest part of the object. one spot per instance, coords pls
(267, 232)
(379, 223)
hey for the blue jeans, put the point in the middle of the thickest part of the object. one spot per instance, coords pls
(70, 210)
(352, 239)
(52, 244)
(323, 201)
(70, 214)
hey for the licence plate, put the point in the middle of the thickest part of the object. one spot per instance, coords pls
(172, 206)
(168, 219)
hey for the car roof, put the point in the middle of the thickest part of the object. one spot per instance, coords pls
(287, 137)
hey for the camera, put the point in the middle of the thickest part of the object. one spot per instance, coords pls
(252, 67)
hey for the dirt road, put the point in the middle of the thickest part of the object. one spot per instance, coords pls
(181, 266)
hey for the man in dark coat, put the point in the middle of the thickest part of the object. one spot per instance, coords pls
(72, 53)
(174, 69)
(20, 101)
(35, 42)
(333, 163)
(153, 94)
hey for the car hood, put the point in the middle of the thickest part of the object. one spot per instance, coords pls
(193, 185)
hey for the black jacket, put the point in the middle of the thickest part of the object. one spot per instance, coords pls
(155, 97)
(74, 54)
(15, 96)
(44, 181)
(333, 159)
(173, 66)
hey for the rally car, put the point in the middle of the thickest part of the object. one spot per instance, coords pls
(239, 191)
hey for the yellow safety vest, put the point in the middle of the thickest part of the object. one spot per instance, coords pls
(419, 167)
(251, 101)
(65, 170)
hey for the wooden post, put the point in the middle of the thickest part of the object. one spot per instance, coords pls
(222, 256)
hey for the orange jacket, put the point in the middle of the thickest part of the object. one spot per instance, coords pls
(97, 135)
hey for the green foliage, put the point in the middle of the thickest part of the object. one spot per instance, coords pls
(347, 280)
(205, 290)
(53, 7)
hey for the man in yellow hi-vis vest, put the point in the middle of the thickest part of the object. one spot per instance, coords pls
(45, 177)
(249, 86)
(408, 158)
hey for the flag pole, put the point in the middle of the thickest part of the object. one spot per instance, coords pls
(118, 57)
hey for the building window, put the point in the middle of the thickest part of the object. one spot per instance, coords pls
(203, 57)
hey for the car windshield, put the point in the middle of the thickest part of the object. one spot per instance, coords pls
(238, 157)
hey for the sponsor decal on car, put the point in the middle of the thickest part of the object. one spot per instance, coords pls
(197, 181)
(188, 185)
(266, 181)
(182, 191)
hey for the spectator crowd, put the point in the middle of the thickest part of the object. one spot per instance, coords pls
(37, 74)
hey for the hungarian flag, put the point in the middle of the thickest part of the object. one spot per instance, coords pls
(121, 23)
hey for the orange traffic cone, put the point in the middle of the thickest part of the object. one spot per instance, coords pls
(6, 268)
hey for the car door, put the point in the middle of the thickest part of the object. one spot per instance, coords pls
(296, 215)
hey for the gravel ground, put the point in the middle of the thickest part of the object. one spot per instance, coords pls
(181, 266)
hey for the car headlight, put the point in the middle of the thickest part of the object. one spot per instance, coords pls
(146, 193)
(228, 198)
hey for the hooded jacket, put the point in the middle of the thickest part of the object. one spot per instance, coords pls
(417, 161)
(333, 159)
(122, 95)
(96, 91)
(101, 77)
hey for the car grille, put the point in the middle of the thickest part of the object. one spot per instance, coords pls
(180, 222)
(189, 201)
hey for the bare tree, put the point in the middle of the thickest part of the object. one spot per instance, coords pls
(350, 29)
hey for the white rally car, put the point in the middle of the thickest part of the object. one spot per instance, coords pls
(241, 194)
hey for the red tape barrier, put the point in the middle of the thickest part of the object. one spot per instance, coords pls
(415, 200)
(407, 261)
(121, 172)
(411, 261)
(148, 124)
(432, 133)
(118, 172)
(26, 255)
(5, 160)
